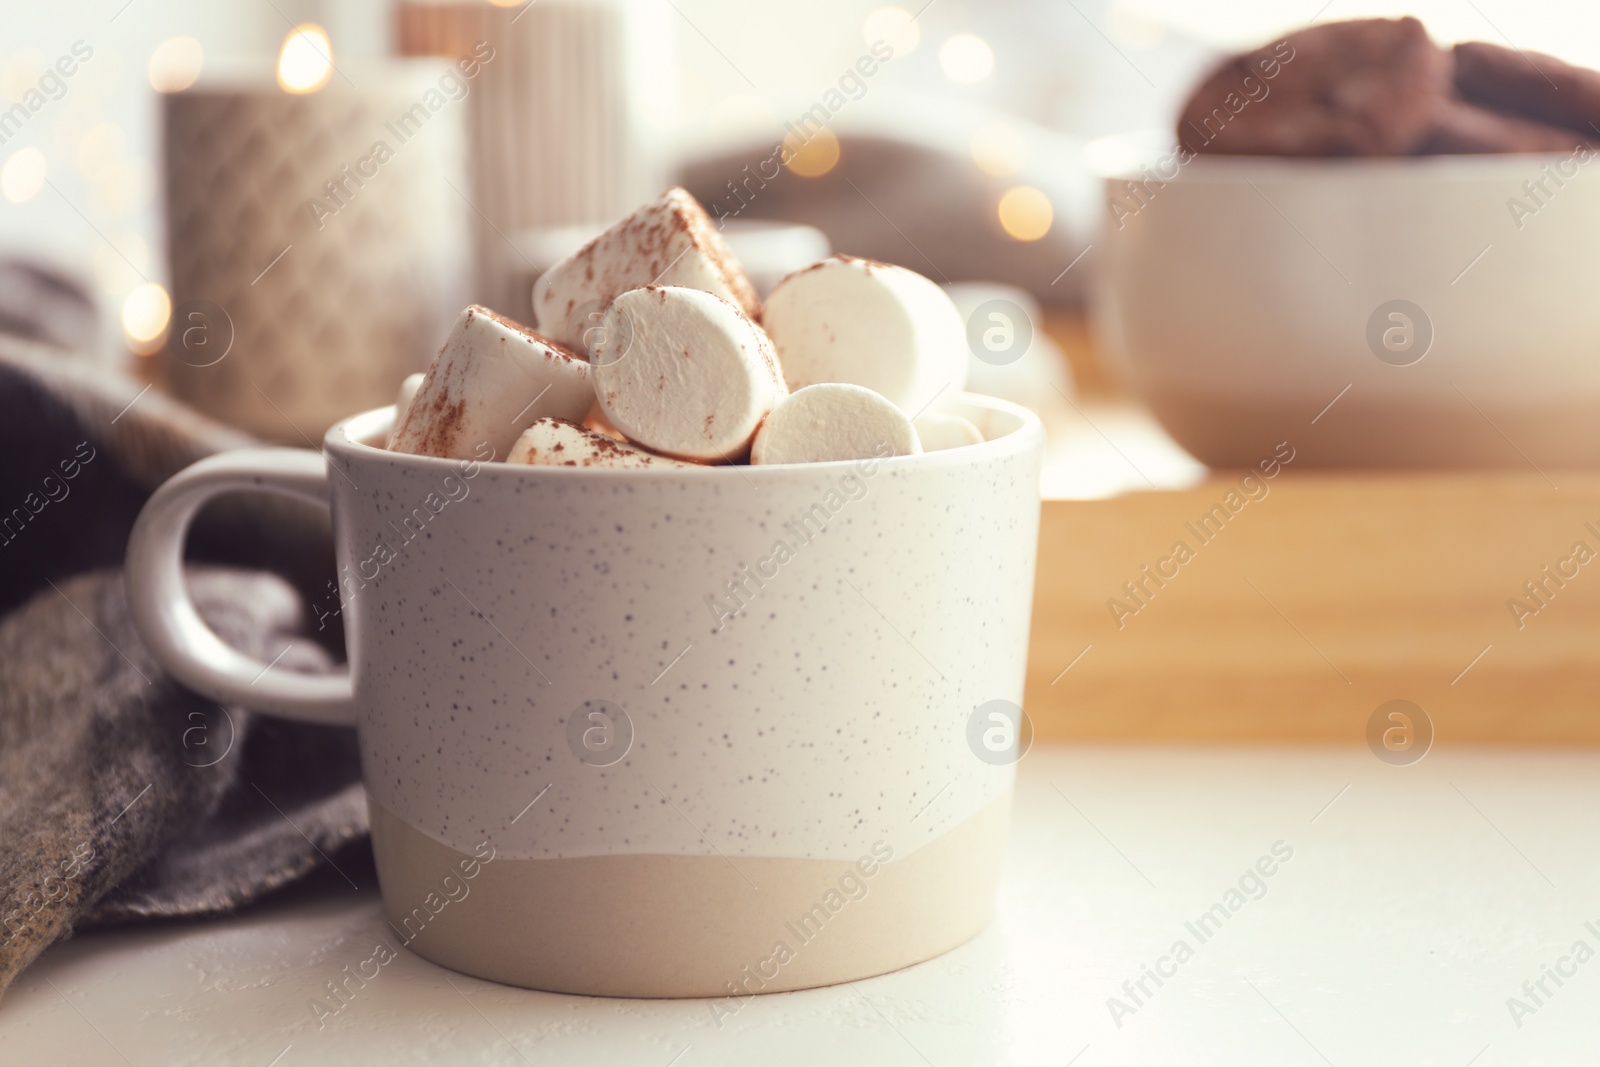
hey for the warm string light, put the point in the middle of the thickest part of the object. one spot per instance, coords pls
(23, 175)
(966, 58)
(1025, 213)
(146, 313)
(814, 157)
(1000, 148)
(305, 63)
(175, 64)
(895, 27)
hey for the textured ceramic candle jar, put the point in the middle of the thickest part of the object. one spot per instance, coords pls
(676, 732)
(314, 239)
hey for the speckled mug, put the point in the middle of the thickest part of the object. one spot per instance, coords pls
(666, 732)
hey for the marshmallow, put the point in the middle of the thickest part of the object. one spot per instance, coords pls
(937, 431)
(559, 443)
(867, 323)
(491, 379)
(402, 402)
(683, 372)
(833, 421)
(669, 241)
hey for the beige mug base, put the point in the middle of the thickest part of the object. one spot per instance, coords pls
(685, 926)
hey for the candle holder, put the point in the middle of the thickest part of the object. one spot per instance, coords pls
(567, 120)
(317, 242)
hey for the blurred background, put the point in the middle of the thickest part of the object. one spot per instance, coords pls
(732, 70)
(272, 209)
(961, 157)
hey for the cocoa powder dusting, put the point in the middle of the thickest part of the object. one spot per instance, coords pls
(710, 242)
(533, 336)
(444, 426)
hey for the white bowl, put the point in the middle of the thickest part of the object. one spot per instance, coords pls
(1238, 300)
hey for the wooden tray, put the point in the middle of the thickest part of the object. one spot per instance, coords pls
(1313, 605)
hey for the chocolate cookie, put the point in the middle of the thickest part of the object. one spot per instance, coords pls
(1461, 128)
(1368, 87)
(1529, 84)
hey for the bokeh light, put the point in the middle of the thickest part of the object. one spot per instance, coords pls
(20, 72)
(895, 27)
(966, 58)
(305, 64)
(145, 315)
(1000, 148)
(814, 157)
(175, 64)
(1025, 213)
(23, 175)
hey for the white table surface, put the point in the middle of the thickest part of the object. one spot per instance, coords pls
(1418, 900)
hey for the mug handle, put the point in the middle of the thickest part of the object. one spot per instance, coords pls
(166, 618)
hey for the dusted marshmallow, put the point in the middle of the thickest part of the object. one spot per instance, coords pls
(491, 379)
(685, 373)
(937, 431)
(559, 443)
(834, 421)
(866, 323)
(402, 402)
(669, 241)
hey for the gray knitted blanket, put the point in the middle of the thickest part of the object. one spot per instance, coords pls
(123, 796)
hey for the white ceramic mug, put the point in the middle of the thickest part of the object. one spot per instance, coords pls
(666, 732)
